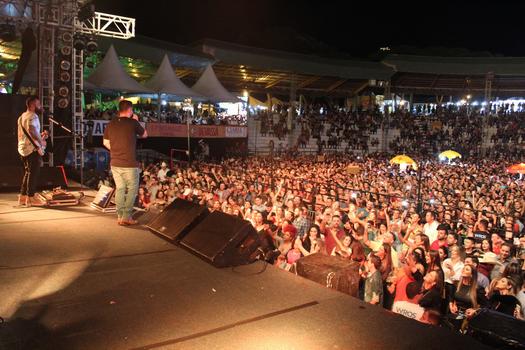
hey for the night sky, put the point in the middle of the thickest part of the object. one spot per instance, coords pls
(356, 28)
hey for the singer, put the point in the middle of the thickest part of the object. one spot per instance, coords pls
(120, 137)
(31, 147)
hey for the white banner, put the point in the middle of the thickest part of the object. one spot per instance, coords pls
(99, 126)
(408, 309)
(236, 131)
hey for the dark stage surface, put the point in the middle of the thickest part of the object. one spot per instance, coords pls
(73, 279)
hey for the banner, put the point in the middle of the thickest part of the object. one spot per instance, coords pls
(408, 309)
(175, 130)
(236, 131)
(98, 127)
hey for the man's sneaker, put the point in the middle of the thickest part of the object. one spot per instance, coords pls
(22, 199)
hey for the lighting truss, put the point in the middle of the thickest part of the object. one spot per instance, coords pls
(104, 24)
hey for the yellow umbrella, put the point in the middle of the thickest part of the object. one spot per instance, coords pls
(449, 154)
(517, 168)
(402, 159)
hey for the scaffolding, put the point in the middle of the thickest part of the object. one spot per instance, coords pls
(60, 16)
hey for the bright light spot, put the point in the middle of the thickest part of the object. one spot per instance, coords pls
(469, 97)
(409, 187)
(164, 102)
(245, 93)
(404, 203)
(354, 195)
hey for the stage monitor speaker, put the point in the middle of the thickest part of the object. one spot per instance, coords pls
(50, 177)
(498, 330)
(177, 219)
(223, 240)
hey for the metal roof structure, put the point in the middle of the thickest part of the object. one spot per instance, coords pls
(262, 71)
(455, 75)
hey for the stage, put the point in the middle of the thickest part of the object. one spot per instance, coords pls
(71, 278)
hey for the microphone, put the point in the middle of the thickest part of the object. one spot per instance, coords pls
(52, 120)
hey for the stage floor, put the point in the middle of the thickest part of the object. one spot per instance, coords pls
(71, 278)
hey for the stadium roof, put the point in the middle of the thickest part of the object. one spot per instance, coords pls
(457, 75)
(508, 66)
(259, 70)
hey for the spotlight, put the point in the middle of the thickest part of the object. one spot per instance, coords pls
(91, 45)
(79, 42)
(7, 32)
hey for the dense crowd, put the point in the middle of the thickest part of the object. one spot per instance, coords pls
(421, 131)
(170, 115)
(457, 250)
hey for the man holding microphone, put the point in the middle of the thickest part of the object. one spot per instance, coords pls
(120, 138)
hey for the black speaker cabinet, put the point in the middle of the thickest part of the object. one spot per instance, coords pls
(498, 330)
(11, 178)
(223, 240)
(177, 219)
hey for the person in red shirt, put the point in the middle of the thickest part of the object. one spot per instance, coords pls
(335, 225)
(441, 241)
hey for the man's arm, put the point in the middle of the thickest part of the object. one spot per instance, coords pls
(34, 131)
(140, 129)
(107, 144)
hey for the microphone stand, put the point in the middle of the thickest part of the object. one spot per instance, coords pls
(75, 135)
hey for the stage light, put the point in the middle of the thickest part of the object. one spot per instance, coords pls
(79, 42)
(469, 97)
(91, 45)
(7, 32)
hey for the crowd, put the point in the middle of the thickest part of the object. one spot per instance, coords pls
(456, 250)
(421, 131)
(170, 115)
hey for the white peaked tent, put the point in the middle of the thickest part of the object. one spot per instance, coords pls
(110, 75)
(208, 85)
(166, 81)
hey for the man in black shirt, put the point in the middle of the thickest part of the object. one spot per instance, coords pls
(120, 137)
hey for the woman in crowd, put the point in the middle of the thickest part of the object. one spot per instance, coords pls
(309, 244)
(467, 295)
(452, 268)
(502, 298)
(431, 297)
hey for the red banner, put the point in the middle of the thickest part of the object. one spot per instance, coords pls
(196, 131)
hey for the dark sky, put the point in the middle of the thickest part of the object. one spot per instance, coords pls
(357, 28)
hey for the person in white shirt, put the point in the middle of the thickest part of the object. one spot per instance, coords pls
(430, 228)
(31, 148)
(163, 172)
(453, 266)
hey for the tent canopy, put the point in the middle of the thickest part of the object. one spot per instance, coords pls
(208, 85)
(166, 81)
(110, 75)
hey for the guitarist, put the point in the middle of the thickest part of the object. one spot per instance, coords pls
(31, 148)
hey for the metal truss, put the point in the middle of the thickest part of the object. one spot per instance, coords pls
(104, 24)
